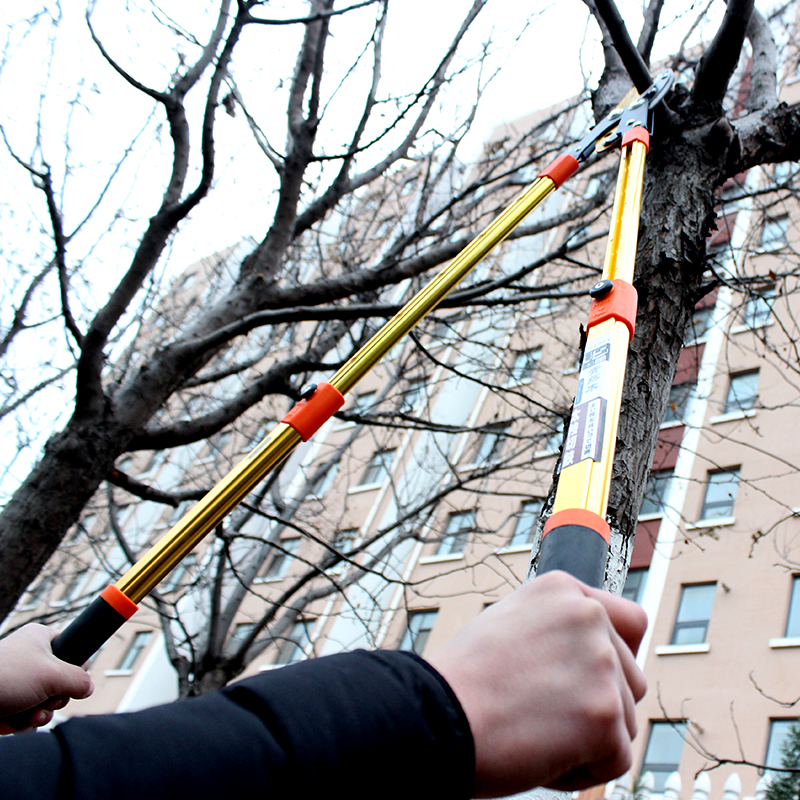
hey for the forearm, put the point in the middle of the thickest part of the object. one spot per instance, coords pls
(378, 723)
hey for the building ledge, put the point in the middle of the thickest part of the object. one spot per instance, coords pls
(681, 649)
(115, 673)
(516, 548)
(718, 522)
(673, 423)
(367, 487)
(732, 416)
(785, 641)
(439, 559)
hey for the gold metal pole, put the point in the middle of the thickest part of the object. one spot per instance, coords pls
(585, 484)
(154, 566)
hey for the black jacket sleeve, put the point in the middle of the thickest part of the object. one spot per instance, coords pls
(359, 725)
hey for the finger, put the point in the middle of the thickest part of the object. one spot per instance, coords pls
(55, 703)
(628, 618)
(634, 676)
(40, 717)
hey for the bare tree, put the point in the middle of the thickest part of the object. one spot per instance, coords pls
(353, 228)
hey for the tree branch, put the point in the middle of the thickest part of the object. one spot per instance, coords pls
(631, 58)
(722, 55)
(764, 70)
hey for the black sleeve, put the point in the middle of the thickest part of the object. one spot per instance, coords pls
(359, 725)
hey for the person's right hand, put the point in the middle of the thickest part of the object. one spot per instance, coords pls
(548, 681)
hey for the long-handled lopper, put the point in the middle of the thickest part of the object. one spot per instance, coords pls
(577, 533)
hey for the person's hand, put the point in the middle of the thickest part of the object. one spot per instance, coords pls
(548, 681)
(33, 682)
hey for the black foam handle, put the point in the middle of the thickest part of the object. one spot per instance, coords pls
(88, 632)
(576, 549)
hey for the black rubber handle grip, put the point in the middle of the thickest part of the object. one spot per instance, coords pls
(88, 632)
(577, 549)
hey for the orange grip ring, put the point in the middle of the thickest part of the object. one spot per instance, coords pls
(581, 517)
(308, 416)
(120, 602)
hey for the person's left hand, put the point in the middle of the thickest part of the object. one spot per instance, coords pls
(33, 682)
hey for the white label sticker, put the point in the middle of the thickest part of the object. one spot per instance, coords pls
(585, 435)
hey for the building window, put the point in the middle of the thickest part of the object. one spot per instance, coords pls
(73, 586)
(456, 532)
(694, 613)
(525, 527)
(240, 632)
(742, 392)
(279, 563)
(412, 395)
(292, 648)
(38, 592)
(324, 481)
(418, 628)
(342, 544)
(664, 749)
(363, 403)
(656, 492)
(377, 469)
(793, 620)
(699, 323)
(773, 234)
(679, 396)
(758, 308)
(524, 366)
(554, 437)
(634, 584)
(720, 496)
(138, 643)
(779, 732)
(545, 306)
(490, 445)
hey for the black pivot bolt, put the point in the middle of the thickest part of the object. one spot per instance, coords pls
(601, 289)
(307, 391)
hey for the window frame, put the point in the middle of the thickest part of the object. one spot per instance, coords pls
(659, 481)
(278, 564)
(778, 238)
(757, 310)
(490, 445)
(699, 623)
(137, 645)
(680, 397)
(292, 646)
(661, 770)
(524, 366)
(709, 508)
(733, 405)
(378, 468)
(792, 627)
(454, 541)
(415, 638)
(528, 514)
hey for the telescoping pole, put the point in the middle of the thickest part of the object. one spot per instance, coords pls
(576, 534)
(118, 602)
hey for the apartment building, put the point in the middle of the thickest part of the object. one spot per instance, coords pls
(418, 505)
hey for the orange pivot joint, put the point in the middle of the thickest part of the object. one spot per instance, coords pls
(318, 405)
(613, 300)
(560, 169)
